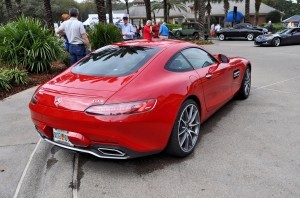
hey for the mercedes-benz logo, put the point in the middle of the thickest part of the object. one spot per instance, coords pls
(57, 100)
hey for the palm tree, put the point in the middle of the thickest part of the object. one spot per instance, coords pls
(196, 6)
(165, 11)
(127, 8)
(109, 8)
(148, 9)
(9, 10)
(18, 6)
(257, 6)
(247, 10)
(208, 10)
(226, 7)
(171, 4)
(49, 17)
(201, 19)
(100, 5)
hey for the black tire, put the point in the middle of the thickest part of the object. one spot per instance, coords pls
(250, 37)
(184, 136)
(196, 36)
(244, 91)
(177, 34)
(221, 37)
(276, 42)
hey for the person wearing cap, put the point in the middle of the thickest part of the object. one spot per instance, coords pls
(76, 35)
(127, 29)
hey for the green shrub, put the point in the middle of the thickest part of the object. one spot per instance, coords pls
(8, 77)
(273, 16)
(104, 34)
(4, 83)
(173, 26)
(25, 43)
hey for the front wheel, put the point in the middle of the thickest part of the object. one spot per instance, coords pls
(185, 131)
(276, 42)
(250, 37)
(221, 37)
(244, 91)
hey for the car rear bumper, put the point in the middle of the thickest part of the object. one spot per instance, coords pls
(113, 137)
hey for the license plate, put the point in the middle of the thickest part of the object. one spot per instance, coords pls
(61, 136)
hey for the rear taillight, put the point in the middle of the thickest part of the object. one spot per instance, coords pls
(34, 99)
(122, 108)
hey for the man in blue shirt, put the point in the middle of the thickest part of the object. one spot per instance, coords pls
(127, 29)
(163, 31)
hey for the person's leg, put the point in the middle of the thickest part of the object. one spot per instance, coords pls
(79, 52)
(72, 54)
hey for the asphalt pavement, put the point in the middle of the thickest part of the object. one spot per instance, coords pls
(248, 148)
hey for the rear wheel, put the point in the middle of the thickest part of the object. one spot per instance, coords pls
(276, 42)
(177, 34)
(196, 36)
(246, 85)
(185, 130)
(250, 37)
(221, 37)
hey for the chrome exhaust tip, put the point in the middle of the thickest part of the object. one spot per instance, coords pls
(111, 152)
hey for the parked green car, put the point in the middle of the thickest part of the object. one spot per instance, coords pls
(188, 29)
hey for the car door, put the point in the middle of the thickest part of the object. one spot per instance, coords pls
(216, 78)
(295, 39)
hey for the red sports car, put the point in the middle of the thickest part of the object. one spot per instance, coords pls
(137, 98)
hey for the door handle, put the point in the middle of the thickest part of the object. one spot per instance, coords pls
(208, 75)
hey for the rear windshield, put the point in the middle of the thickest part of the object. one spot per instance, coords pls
(115, 60)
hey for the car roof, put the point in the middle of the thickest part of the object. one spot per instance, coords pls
(154, 43)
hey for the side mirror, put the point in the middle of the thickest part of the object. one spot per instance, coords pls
(222, 58)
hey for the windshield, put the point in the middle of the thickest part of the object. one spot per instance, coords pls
(283, 31)
(115, 60)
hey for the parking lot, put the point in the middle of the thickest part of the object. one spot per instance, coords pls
(248, 148)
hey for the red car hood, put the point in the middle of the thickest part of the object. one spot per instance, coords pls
(78, 92)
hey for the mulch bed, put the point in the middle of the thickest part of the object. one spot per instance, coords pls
(34, 80)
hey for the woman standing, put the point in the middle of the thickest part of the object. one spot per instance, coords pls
(147, 32)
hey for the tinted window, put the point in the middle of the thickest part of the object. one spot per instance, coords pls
(115, 60)
(198, 57)
(179, 64)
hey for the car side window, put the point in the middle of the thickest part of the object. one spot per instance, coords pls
(179, 64)
(198, 57)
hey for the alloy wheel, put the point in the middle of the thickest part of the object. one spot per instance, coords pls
(189, 127)
(250, 37)
(276, 42)
(221, 37)
(247, 81)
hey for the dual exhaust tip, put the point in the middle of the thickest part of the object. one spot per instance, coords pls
(111, 152)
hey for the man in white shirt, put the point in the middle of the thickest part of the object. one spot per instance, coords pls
(127, 29)
(76, 35)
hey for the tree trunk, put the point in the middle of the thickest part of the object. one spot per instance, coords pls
(109, 7)
(201, 18)
(19, 8)
(9, 9)
(165, 11)
(208, 10)
(257, 6)
(148, 9)
(100, 5)
(48, 13)
(196, 6)
(247, 11)
(226, 8)
(127, 7)
(168, 12)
